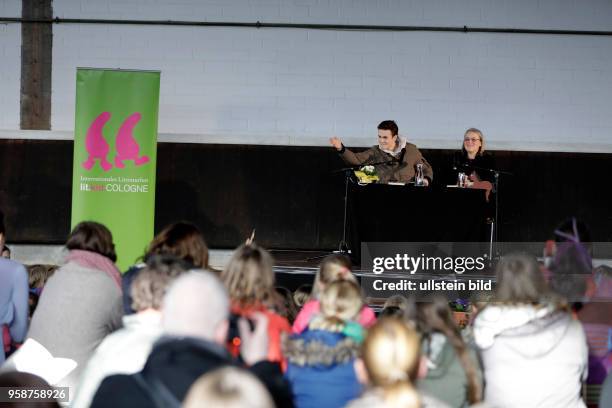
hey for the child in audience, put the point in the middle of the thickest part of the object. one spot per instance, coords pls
(286, 306)
(321, 359)
(334, 267)
(396, 306)
(302, 295)
(228, 387)
(389, 365)
(453, 374)
(249, 279)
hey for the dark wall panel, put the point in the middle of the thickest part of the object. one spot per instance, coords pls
(289, 194)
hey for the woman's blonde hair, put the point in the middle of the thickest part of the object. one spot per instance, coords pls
(391, 357)
(341, 301)
(481, 149)
(249, 276)
(228, 387)
(332, 268)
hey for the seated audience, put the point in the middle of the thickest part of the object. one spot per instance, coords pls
(286, 306)
(453, 374)
(228, 387)
(182, 240)
(249, 278)
(302, 295)
(534, 353)
(596, 318)
(37, 277)
(390, 365)
(396, 305)
(571, 267)
(127, 349)
(13, 305)
(195, 322)
(81, 302)
(334, 267)
(5, 252)
(321, 359)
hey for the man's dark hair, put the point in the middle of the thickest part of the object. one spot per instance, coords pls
(389, 125)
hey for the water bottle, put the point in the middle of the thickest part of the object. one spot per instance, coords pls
(419, 180)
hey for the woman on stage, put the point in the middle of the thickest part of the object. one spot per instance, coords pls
(471, 159)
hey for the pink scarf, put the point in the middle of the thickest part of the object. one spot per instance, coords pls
(92, 260)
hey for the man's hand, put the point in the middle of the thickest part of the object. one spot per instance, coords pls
(425, 181)
(254, 346)
(336, 142)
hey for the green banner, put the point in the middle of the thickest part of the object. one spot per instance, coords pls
(115, 154)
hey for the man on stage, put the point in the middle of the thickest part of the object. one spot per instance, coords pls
(399, 159)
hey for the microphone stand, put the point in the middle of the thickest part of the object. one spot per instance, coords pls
(343, 247)
(495, 229)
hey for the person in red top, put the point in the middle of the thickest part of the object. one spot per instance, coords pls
(249, 279)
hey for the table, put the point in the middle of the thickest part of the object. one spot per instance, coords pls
(391, 213)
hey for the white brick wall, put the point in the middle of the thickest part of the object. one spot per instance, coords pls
(300, 86)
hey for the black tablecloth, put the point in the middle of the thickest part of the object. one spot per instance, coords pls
(388, 213)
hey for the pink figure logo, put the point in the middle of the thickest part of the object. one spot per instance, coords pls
(96, 145)
(126, 145)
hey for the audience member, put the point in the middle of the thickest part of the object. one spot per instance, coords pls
(5, 252)
(182, 240)
(321, 359)
(37, 277)
(396, 305)
(390, 365)
(596, 318)
(13, 304)
(453, 374)
(249, 278)
(228, 387)
(302, 295)
(334, 267)
(127, 349)
(534, 353)
(286, 306)
(81, 302)
(195, 323)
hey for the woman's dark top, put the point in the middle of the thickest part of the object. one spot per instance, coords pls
(461, 163)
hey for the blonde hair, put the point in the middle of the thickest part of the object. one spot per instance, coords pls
(39, 274)
(481, 149)
(332, 268)
(249, 276)
(302, 295)
(391, 357)
(151, 283)
(341, 301)
(228, 387)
